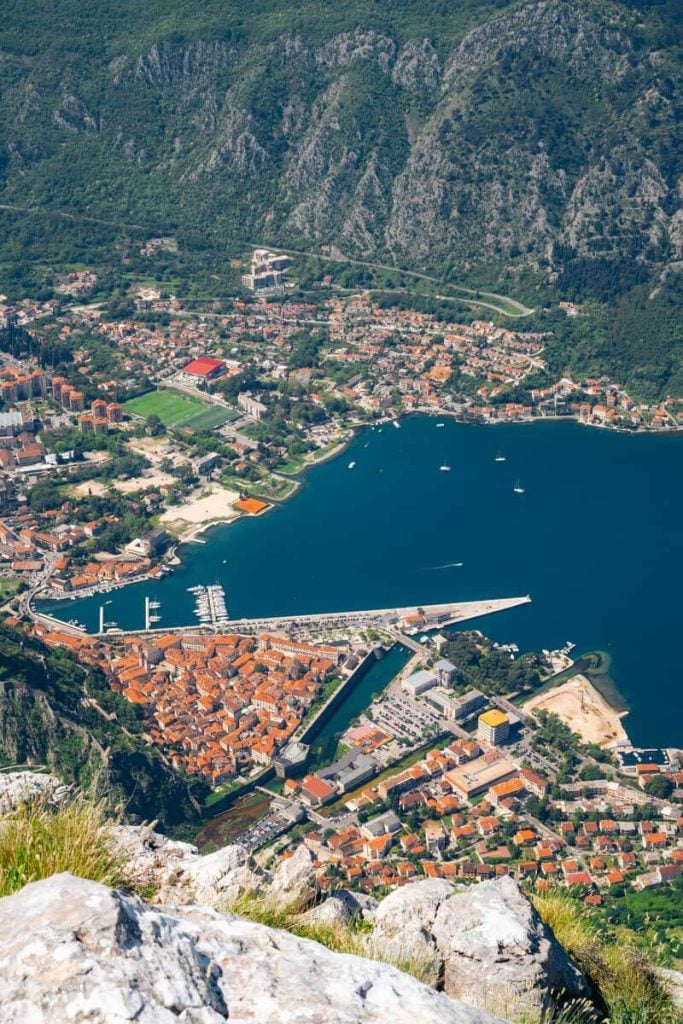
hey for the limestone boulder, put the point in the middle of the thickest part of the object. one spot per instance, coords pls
(294, 881)
(178, 873)
(19, 787)
(403, 925)
(72, 950)
(498, 954)
(332, 912)
(673, 983)
(340, 908)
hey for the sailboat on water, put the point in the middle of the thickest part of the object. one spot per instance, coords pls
(444, 468)
(518, 489)
(499, 457)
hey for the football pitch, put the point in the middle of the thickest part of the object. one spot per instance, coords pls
(177, 410)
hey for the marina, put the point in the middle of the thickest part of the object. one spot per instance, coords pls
(210, 607)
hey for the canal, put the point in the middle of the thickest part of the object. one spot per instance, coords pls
(375, 680)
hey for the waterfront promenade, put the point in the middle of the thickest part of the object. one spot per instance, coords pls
(416, 618)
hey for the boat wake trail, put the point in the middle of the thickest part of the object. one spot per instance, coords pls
(446, 565)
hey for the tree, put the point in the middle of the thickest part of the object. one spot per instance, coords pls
(660, 787)
(44, 495)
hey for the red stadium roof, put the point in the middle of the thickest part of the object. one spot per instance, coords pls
(204, 367)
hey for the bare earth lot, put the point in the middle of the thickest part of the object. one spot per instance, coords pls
(584, 710)
(213, 505)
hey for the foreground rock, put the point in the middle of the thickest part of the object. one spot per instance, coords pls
(72, 950)
(673, 984)
(177, 873)
(403, 926)
(486, 943)
(294, 880)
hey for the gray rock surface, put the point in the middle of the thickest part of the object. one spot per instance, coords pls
(331, 912)
(484, 944)
(673, 981)
(498, 954)
(74, 951)
(179, 873)
(294, 879)
(18, 787)
(341, 907)
(403, 922)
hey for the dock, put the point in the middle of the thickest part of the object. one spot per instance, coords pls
(416, 618)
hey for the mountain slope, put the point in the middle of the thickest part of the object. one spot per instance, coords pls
(476, 140)
(551, 122)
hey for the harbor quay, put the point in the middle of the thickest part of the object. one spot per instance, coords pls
(408, 621)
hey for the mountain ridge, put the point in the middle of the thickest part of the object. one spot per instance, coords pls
(386, 147)
(530, 147)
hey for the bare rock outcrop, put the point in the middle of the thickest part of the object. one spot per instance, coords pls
(487, 944)
(294, 879)
(403, 924)
(178, 873)
(73, 950)
(19, 787)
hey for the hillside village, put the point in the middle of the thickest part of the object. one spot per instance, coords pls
(196, 417)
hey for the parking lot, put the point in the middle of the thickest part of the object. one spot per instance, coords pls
(405, 718)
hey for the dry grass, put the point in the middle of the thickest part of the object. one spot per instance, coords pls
(578, 1011)
(624, 981)
(38, 840)
(352, 938)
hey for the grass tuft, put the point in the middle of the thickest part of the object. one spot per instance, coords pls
(38, 840)
(623, 979)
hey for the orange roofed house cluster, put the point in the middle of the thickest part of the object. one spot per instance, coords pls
(221, 704)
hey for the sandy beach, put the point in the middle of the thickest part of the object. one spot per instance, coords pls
(584, 710)
(213, 505)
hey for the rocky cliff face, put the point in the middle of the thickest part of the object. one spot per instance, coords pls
(46, 719)
(73, 950)
(549, 124)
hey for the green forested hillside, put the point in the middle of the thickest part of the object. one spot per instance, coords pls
(530, 145)
(61, 714)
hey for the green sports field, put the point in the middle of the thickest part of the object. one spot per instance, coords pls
(177, 410)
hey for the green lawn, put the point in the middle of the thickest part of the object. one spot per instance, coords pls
(177, 410)
(211, 418)
(171, 407)
(9, 586)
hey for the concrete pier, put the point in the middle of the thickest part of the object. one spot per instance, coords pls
(430, 616)
(396, 620)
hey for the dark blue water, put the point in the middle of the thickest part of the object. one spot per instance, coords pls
(375, 680)
(596, 539)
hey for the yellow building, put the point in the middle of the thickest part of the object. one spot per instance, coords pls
(493, 727)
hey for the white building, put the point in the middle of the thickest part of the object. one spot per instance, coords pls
(267, 271)
(419, 682)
